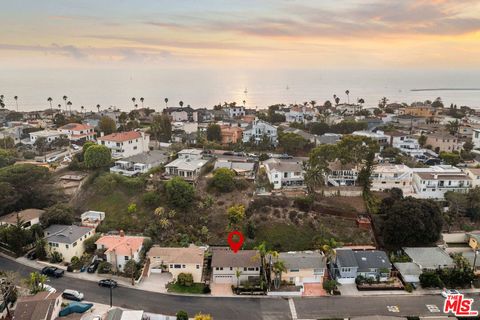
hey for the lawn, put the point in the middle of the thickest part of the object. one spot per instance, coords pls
(196, 288)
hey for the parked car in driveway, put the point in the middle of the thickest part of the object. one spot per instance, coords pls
(72, 295)
(109, 283)
(93, 266)
(32, 255)
(53, 272)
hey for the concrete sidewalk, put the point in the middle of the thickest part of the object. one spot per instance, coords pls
(350, 290)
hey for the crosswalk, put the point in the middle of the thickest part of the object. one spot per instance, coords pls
(393, 309)
(432, 308)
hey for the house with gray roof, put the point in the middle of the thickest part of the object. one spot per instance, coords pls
(188, 165)
(245, 169)
(429, 258)
(303, 267)
(409, 271)
(350, 264)
(140, 163)
(284, 173)
(67, 240)
(226, 263)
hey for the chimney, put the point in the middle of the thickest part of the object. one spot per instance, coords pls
(122, 233)
(102, 134)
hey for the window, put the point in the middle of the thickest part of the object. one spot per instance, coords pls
(183, 266)
(66, 246)
(198, 266)
(251, 269)
(74, 244)
(120, 266)
(244, 269)
(126, 258)
(294, 270)
(135, 148)
(177, 266)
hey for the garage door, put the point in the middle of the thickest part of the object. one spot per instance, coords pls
(223, 279)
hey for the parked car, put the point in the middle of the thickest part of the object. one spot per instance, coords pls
(49, 288)
(72, 295)
(445, 293)
(75, 147)
(53, 272)
(32, 255)
(93, 266)
(52, 159)
(108, 283)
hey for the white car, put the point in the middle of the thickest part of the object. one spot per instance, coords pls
(446, 293)
(75, 147)
(49, 288)
(52, 159)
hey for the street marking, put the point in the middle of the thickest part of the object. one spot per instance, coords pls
(393, 308)
(293, 311)
(432, 308)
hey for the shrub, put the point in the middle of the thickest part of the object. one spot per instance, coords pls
(185, 279)
(180, 194)
(57, 214)
(29, 155)
(241, 184)
(182, 315)
(303, 203)
(206, 290)
(104, 267)
(56, 257)
(89, 244)
(223, 180)
(151, 199)
(408, 287)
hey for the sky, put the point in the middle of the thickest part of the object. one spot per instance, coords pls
(366, 34)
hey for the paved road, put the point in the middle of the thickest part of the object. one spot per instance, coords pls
(248, 308)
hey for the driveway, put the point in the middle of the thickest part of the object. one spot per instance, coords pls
(155, 282)
(221, 289)
(313, 290)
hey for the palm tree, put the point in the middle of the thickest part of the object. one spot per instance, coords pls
(278, 268)
(244, 103)
(65, 102)
(313, 103)
(452, 127)
(181, 103)
(98, 108)
(133, 100)
(238, 273)
(69, 104)
(59, 106)
(263, 254)
(136, 106)
(141, 100)
(16, 101)
(82, 108)
(166, 102)
(347, 92)
(314, 177)
(2, 104)
(50, 101)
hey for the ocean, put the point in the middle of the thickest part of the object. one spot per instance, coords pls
(206, 87)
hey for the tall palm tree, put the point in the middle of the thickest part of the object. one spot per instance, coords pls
(136, 106)
(244, 103)
(82, 108)
(238, 273)
(98, 108)
(166, 102)
(16, 101)
(278, 267)
(50, 101)
(263, 255)
(141, 100)
(181, 103)
(59, 106)
(69, 104)
(347, 92)
(65, 102)
(313, 103)
(2, 104)
(133, 100)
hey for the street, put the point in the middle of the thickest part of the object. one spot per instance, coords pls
(249, 308)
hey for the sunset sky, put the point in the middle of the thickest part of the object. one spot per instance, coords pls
(246, 33)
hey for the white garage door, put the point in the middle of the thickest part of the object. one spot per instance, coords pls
(223, 279)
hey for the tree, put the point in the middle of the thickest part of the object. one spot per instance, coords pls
(347, 92)
(450, 158)
(330, 285)
(422, 140)
(437, 103)
(161, 128)
(411, 222)
(468, 146)
(236, 215)
(223, 180)
(130, 269)
(40, 250)
(453, 127)
(41, 144)
(107, 125)
(180, 194)
(182, 315)
(35, 282)
(6, 158)
(97, 156)
(214, 133)
(87, 145)
(291, 142)
(185, 279)
(57, 214)
(50, 102)
(383, 103)
(89, 244)
(142, 100)
(278, 267)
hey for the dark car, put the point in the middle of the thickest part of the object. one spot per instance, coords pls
(53, 272)
(93, 266)
(32, 255)
(108, 283)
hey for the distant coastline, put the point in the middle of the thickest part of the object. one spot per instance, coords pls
(447, 89)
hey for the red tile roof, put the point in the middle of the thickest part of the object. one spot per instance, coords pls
(121, 245)
(121, 136)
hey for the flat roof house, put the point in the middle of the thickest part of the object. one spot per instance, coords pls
(177, 260)
(49, 135)
(188, 165)
(120, 249)
(225, 263)
(429, 258)
(140, 163)
(434, 182)
(28, 216)
(67, 240)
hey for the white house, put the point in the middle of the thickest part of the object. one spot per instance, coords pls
(78, 132)
(49, 135)
(120, 249)
(235, 111)
(474, 174)
(476, 138)
(125, 144)
(29, 217)
(378, 136)
(342, 174)
(140, 163)
(388, 176)
(182, 114)
(232, 268)
(259, 129)
(434, 182)
(67, 240)
(300, 114)
(284, 173)
(188, 165)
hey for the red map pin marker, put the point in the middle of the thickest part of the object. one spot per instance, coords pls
(235, 246)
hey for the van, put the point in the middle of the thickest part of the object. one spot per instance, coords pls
(72, 295)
